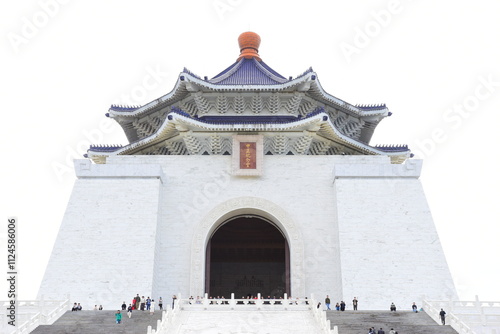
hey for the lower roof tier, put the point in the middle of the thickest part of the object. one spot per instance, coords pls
(314, 134)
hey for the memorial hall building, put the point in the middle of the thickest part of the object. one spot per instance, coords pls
(248, 182)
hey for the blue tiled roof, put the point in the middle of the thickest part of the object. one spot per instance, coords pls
(257, 119)
(115, 107)
(392, 148)
(371, 106)
(105, 148)
(248, 72)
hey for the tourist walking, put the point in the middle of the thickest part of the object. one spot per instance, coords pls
(442, 315)
(355, 304)
(327, 302)
(118, 317)
(160, 304)
(381, 331)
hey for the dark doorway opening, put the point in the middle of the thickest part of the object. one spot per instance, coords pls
(247, 255)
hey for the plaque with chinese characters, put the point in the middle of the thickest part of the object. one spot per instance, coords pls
(248, 155)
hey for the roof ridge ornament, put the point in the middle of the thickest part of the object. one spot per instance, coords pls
(249, 43)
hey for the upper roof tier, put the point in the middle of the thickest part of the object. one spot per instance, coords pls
(249, 69)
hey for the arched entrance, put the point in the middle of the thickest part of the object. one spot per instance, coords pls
(247, 255)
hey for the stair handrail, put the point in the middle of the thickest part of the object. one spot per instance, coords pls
(41, 315)
(169, 320)
(320, 316)
(454, 321)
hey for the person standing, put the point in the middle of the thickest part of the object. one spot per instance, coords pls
(327, 302)
(129, 311)
(118, 317)
(124, 306)
(381, 331)
(342, 305)
(137, 301)
(392, 331)
(174, 297)
(152, 307)
(355, 304)
(143, 303)
(148, 303)
(442, 315)
(393, 307)
(414, 307)
(160, 304)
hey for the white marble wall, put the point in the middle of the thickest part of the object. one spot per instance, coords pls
(105, 249)
(357, 226)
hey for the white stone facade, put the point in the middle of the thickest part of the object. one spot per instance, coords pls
(355, 225)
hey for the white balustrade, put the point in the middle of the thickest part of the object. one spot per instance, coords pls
(33, 313)
(171, 319)
(467, 317)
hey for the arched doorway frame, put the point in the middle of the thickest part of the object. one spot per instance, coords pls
(286, 250)
(252, 206)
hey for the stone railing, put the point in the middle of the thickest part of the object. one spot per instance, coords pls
(433, 309)
(480, 317)
(320, 317)
(170, 322)
(33, 313)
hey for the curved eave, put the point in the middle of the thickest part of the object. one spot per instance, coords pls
(177, 93)
(383, 112)
(188, 82)
(319, 123)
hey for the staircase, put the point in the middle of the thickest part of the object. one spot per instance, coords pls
(356, 322)
(95, 322)
(248, 321)
(245, 321)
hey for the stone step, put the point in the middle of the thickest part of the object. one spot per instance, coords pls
(87, 322)
(355, 322)
(248, 321)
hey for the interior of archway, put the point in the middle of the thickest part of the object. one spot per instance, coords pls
(247, 255)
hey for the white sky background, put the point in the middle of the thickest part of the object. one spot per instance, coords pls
(427, 60)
